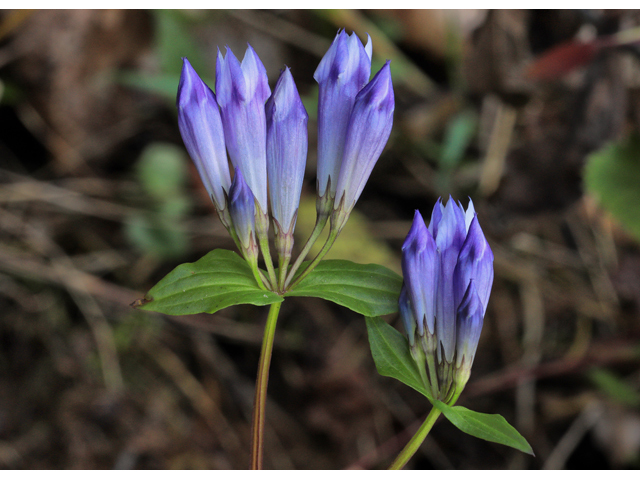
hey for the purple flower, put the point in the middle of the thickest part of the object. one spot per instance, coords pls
(341, 74)
(201, 130)
(420, 268)
(448, 274)
(406, 314)
(286, 151)
(242, 90)
(369, 129)
(242, 210)
(469, 320)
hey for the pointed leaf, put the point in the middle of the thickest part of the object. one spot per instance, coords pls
(493, 428)
(390, 351)
(218, 280)
(366, 289)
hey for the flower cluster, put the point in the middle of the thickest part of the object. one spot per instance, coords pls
(448, 274)
(265, 136)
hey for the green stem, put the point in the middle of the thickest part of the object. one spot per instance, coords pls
(415, 442)
(262, 232)
(257, 428)
(225, 218)
(283, 263)
(321, 221)
(333, 234)
(263, 241)
(258, 275)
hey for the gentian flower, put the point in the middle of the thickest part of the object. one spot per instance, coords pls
(369, 129)
(201, 130)
(242, 90)
(448, 274)
(286, 156)
(242, 210)
(267, 145)
(341, 74)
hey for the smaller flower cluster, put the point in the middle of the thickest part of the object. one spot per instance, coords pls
(265, 136)
(448, 274)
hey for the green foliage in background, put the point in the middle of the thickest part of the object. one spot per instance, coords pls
(162, 172)
(612, 175)
(614, 387)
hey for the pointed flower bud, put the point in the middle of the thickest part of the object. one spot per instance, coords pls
(449, 238)
(341, 74)
(242, 90)
(407, 316)
(448, 274)
(286, 151)
(369, 129)
(201, 130)
(470, 317)
(420, 269)
(242, 210)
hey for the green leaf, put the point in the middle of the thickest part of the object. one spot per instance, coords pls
(158, 235)
(390, 351)
(614, 386)
(493, 428)
(370, 290)
(163, 170)
(612, 175)
(175, 39)
(391, 354)
(164, 85)
(460, 131)
(218, 280)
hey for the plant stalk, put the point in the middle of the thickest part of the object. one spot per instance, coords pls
(415, 442)
(321, 221)
(262, 380)
(333, 234)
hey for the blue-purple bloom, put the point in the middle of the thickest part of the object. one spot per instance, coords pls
(242, 210)
(370, 125)
(286, 152)
(242, 90)
(341, 74)
(201, 129)
(265, 137)
(448, 274)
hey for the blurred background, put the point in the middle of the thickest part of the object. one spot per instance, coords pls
(534, 114)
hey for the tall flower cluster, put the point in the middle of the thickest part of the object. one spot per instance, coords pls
(264, 134)
(448, 274)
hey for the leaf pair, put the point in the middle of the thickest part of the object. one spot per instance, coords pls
(222, 278)
(391, 355)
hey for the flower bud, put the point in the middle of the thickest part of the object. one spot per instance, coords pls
(420, 269)
(242, 210)
(202, 133)
(242, 91)
(450, 234)
(286, 152)
(369, 129)
(406, 315)
(341, 74)
(470, 317)
(448, 274)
